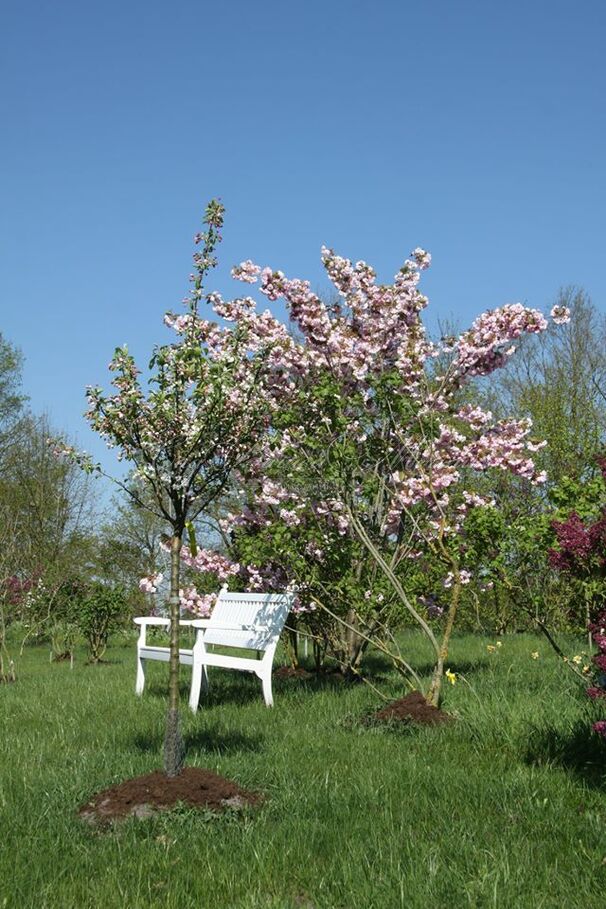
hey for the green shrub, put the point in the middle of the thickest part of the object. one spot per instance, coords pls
(97, 611)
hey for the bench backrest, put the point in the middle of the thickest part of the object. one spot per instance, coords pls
(265, 612)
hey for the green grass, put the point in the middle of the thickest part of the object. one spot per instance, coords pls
(506, 807)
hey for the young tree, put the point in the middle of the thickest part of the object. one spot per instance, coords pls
(196, 424)
(97, 610)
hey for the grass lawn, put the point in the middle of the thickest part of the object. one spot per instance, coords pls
(505, 807)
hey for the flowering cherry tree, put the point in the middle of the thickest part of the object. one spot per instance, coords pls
(187, 433)
(372, 440)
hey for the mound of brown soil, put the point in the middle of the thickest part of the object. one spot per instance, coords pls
(411, 709)
(145, 795)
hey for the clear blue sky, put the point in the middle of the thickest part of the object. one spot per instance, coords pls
(473, 128)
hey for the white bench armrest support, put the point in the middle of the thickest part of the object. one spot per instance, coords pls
(151, 620)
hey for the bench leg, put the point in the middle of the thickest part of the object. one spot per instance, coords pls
(267, 695)
(199, 679)
(140, 683)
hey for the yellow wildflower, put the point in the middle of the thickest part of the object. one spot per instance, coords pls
(451, 676)
(535, 654)
(586, 668)
(490, 648)
(577, 659)
(499, 643)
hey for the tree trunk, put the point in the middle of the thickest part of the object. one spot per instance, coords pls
(174, 749)
(318, 655)
(351, 638)
(359, 646)
(292, 642)
(7, 667)
(350, 652)
(433, 696)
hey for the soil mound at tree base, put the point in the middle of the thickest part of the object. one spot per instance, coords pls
(144, 796)
(411, 709)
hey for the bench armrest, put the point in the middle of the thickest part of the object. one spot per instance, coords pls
(158, 620)
(151, 620)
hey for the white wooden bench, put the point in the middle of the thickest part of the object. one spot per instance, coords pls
(244, 621)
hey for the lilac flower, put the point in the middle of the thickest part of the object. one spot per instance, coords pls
(595, 693)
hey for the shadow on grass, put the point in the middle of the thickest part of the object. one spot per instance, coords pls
(242, 691)
(92, 664)
(209, 738)
(326, 680)
(578, 750)
(461, 667)
(375, 663)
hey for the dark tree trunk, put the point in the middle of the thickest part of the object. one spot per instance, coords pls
(174, 748)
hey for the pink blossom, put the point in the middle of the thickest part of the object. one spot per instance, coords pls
(560, 314)
(246, 271)
(150, 584)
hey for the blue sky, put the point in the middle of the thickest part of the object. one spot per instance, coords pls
(474, 129)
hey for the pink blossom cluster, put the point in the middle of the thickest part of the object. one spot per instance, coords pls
(560, 314)
(486, 345)
(151, 583)
(199, 605)
(464, 578)
(474, 416)
(246, 271)
(211, 562)
(504, 445)
(356, 337)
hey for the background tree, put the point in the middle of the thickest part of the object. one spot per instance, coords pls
(12, 398)
(130, 544)
(97, 609)
(11, 404)
(47, 516)
(558, 379)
